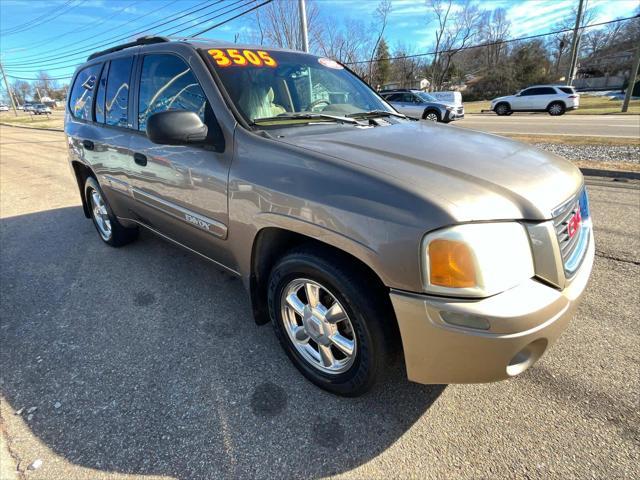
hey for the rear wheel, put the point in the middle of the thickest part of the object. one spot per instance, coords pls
(556, 108)
(503, 109)
(329, 322)
(111, 231)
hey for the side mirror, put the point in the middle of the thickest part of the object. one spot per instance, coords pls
(176, 127)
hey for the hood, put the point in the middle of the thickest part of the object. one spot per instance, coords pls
(498, 99)
(471, 175)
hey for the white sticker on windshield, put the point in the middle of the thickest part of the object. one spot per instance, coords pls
(327, 62)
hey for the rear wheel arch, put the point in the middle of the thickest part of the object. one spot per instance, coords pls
(557, 102)
(82, 172)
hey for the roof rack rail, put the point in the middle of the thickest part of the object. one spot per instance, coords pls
(148, 40)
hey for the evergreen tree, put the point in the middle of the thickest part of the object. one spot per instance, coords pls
(382, 64)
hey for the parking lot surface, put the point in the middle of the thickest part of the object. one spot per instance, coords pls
(617, 126)
(145, 362)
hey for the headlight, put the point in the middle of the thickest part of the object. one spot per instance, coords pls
(450, 108)
(476, 259)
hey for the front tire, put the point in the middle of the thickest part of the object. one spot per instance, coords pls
(503, 109)
(110, 230)
(329, 321)
(431, 115)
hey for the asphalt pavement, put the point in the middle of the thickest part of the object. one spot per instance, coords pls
(144, 362)
(618, 126)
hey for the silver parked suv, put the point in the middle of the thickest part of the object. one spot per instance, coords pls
(419, 104)
(358, 232)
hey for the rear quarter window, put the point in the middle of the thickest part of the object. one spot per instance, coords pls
(82, 93)
(567, 90)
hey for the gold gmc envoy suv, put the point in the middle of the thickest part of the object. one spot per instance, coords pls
(359, 233)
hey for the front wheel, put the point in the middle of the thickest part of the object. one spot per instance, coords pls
(431, 115)
(329, 322)
(503, 109)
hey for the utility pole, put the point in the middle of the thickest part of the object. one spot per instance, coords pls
(574, 44)
(39, 96)
(303, 25)
(632, 80)
(6, 84)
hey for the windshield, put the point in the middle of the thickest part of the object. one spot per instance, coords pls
(426, 97)
(264, 84)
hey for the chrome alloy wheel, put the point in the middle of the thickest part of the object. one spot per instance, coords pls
(100, 215)
(318, 326)
(432, 117)
(555, 109)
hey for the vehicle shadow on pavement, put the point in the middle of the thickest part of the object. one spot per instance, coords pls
(146, 360)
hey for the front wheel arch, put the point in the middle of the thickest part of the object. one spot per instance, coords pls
(272, 243)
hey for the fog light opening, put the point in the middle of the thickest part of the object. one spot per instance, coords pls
(526, 357)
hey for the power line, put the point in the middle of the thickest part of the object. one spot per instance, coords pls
(206, 20)
(83, 28)
(33, 59)
(65, 63)
(489, 44)
(195, 35)
(47, 19)
(36, 79)
(232, 18)
(8, 31)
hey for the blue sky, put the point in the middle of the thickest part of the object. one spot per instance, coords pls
(88, 24)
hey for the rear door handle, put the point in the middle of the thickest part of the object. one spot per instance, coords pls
(88, 144)
(140, 159)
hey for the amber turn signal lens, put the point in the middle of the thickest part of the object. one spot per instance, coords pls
(451, 264)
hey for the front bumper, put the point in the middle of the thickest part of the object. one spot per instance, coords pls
(522, 323)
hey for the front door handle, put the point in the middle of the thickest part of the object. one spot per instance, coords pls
(140, 159)
(88, 144)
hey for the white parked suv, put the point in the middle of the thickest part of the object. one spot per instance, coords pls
(554, 99)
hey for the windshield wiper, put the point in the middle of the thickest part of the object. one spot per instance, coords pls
(375, 113)
(305, 116)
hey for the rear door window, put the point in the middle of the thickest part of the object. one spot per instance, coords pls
(167, 83)
(116, 103)
(81, 98)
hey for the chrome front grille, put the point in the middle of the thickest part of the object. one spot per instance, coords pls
(572, 224)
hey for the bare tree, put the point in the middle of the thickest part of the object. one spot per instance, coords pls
(455, 31)
(278, 25)
(381, 15)
(346, 42)
(441, 10)
(21, 89)
(494, 27)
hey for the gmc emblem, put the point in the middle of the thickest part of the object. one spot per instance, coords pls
(573, 225)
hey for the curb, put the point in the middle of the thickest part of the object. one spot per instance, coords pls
(596, 172)
(32, 128)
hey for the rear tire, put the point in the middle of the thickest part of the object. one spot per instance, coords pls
(503, 109)
(110, 230)
(343, 342)
(556, 108)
